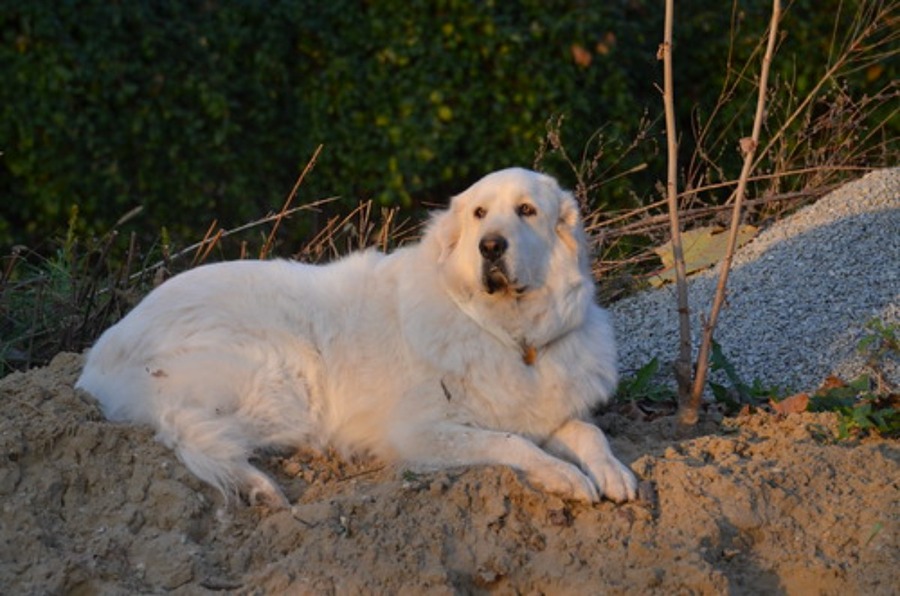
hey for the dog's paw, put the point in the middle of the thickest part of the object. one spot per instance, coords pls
(261, 491)
(613, 479)
(565, 480)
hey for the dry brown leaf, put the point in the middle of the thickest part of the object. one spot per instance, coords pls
(661, 51)
(831, 382)
(791, 405)
(702, 248)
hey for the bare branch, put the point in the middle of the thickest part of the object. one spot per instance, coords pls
(683, 362)
(853, 49)
(748, 147)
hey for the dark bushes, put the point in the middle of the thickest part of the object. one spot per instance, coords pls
(208, 110)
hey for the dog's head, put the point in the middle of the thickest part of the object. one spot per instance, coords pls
(513, 236)
(505, 231)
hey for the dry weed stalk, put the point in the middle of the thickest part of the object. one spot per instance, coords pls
(595, 166)
(688, 412)
(683, 360)
(859, 51)
(270, 241)
(357, 230)
(816, 137)
(203, 248)
(650, 225)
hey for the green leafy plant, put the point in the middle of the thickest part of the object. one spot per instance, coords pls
(645, 385)
(193, 109)
(736, 393)
(860, 409)
(881, 342)
(867, 403)
(202, 110)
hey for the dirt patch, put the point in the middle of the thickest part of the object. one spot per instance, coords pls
(754, 505)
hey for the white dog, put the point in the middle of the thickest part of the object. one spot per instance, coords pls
(480, 345)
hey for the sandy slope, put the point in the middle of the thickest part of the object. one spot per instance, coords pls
(757, 505)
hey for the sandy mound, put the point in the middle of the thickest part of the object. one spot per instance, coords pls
(756, 505)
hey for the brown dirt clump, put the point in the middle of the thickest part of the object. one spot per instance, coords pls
(756, 505)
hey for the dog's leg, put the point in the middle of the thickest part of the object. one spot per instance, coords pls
(585, 445)
(216, 451)
(455, 444)
(233, 475)
(261, 490)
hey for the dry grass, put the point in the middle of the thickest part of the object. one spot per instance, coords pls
(813, 143)
(63, 303)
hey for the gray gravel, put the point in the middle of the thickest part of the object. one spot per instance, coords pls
(800, 294)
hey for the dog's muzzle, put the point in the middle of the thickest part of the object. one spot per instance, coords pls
(494, 274)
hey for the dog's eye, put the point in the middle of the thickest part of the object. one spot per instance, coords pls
(526, 210)
(479, 212)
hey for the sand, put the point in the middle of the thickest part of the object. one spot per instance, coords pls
(757, 504)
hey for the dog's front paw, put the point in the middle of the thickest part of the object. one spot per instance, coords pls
(613, 479)
(566, 481)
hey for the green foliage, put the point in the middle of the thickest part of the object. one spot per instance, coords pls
(410, 476)
(860, 409)
(207, 110)
(645, 385)
(881, 341)
(442, 92)
(736, 393)
(863, 404)
(110, 105)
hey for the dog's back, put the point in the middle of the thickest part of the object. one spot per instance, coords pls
(210, 361)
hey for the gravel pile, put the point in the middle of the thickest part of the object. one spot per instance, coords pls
(799, 295)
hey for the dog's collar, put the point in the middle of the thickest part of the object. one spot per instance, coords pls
(528, 351)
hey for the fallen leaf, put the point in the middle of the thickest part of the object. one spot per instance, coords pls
(605, 46)
(702, 248)
(874, 72)
(831, 382)
(791, 405)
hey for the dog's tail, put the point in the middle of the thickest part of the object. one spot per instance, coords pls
(216, 449)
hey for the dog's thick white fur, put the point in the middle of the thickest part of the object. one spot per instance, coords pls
(482, 344)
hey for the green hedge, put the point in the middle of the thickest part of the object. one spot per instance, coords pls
(205, 109)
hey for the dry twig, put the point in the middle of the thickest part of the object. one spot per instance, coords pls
(688, 415)
(285, 209)
(683, 361)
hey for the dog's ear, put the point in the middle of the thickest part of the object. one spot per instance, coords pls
(445, 229)
(569, 227)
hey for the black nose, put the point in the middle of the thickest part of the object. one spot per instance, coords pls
(492, 246)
